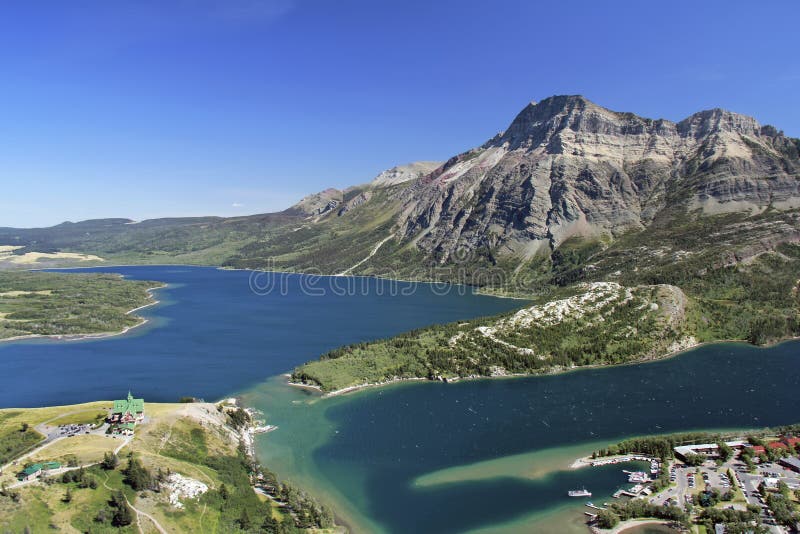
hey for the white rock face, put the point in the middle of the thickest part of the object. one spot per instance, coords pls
(404, 173)
(181, 487)
(595, 297)
(567, 167)
(597, 301)
(318, 203)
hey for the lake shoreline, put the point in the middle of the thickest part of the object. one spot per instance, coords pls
(358, 326)
(476, 289)
(627, 526)
(552, 372)
(98, 335)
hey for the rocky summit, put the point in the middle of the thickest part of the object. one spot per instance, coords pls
(567, 167)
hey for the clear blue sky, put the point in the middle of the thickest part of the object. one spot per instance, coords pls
(148, 108)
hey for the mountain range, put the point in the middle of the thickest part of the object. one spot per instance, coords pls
(570, 190)
(630, 238)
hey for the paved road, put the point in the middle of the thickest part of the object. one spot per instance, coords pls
(62, 469)
(678, 492)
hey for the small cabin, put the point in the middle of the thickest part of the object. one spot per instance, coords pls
(34, 471)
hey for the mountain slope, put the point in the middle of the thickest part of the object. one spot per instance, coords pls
(566, 167)
(569, 185)
(405, 173)
(698, 221)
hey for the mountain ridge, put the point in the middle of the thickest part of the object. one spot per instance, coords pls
(565, 170)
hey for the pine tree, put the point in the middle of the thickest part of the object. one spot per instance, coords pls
(123, 515)
(110, 461)
(244, 520)
(270, 525)
(136, 476)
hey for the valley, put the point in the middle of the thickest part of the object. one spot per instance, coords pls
(623, 239)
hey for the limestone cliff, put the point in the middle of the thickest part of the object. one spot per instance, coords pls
(566, 167)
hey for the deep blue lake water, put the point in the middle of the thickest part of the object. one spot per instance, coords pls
(212, 335)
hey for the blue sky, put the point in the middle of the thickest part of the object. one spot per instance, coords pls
(153, 108)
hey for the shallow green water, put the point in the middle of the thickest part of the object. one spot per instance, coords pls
(368, 452)
(649, 529)
(481, 456)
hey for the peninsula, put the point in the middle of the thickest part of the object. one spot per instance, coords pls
(154, 467)
(38, 304)
(632, 237)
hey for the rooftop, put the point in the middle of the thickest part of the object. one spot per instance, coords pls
(705, 447)
(128, 405)
(791, 461)
(32, 469)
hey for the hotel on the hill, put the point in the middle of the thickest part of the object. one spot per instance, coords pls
(125, 414)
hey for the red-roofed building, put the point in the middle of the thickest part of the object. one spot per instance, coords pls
(776, 445)
(758, 449)
(792, 442)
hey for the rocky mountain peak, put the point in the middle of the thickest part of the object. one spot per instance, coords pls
(539, 122)
(566, 167)
(404, 173)
(710, 121)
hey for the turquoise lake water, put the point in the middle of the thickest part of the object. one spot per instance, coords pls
(365, 453)
(367, 449)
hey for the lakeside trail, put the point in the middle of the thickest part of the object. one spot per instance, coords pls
(98, 335)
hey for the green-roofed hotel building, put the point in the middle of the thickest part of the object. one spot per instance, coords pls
(127, 411)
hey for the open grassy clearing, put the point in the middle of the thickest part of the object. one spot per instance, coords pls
(194, 440)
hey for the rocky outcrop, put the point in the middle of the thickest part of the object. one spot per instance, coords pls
(404, 173)
(567, 167)
(357, 200)
(340, 202)
(317, 204)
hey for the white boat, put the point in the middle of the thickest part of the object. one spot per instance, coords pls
(638, 476)
(579, 493)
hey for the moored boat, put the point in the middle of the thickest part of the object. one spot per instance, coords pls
(579, 493)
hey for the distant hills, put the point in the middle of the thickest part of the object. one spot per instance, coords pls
(569, 191)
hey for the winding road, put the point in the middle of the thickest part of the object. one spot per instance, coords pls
(374, 251)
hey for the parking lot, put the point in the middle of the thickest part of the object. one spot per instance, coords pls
(689, 481)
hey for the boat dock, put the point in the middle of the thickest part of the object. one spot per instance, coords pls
(622, 459)
(594, 506)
